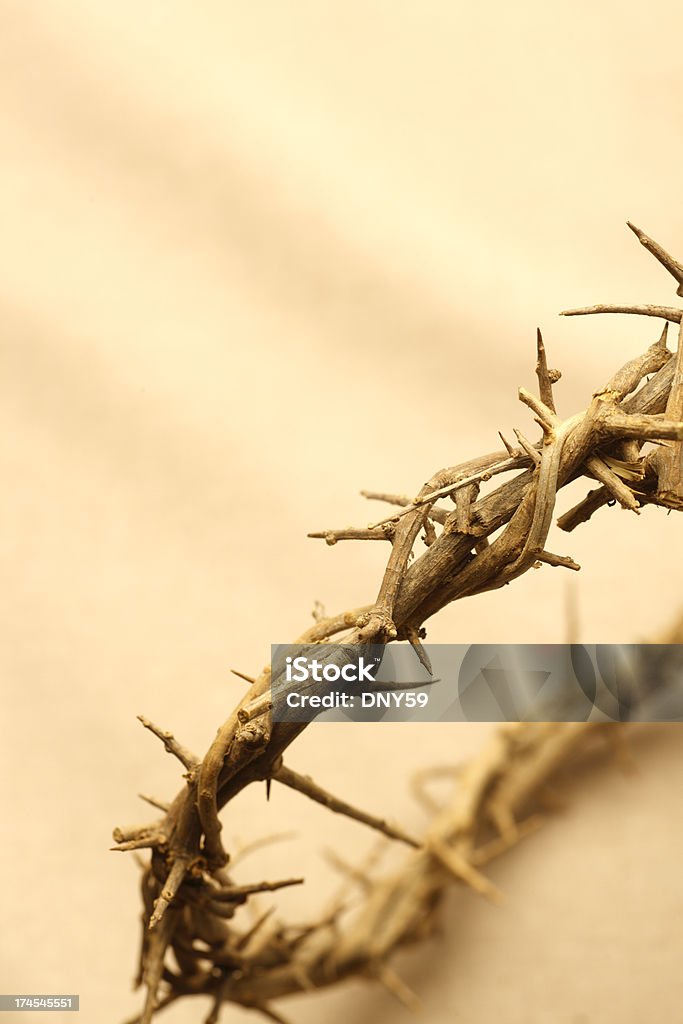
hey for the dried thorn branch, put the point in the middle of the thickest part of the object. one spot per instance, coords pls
(161, 805)
(397, 987)
(244, 939)
(331, 537)
(464, 870)
(153, 967)
(125, 835)
(673, 266)
(218, 1001)
(171, 744)
(429, 535)
(389, 499)
(669, 460)
(618, 424)
(380, 621)
(633, 471)
(236, 893)
(241, 675)
(613, 483)
(255, 708)
(508, 530)
(502, 843)
(546, 417)
(494, 464)
(437, 513)
(322, 631)
(170, 890)
(504, 777)
(461, 521)
(514, 453)
(563, 560)
(415, 637)
(303, 784)
(665, 312)
(583, 511)
(528, 447)
(546, 377)
(151, 842)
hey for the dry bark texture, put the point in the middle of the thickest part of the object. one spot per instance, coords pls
(630, 441)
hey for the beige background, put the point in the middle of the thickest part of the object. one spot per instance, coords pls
(255, 257)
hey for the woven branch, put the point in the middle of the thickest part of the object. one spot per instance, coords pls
(191, 906)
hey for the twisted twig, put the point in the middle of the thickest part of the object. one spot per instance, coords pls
(188, 896)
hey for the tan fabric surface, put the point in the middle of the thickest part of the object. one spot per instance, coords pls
(255, 257)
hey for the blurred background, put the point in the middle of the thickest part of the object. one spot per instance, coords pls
(256, 257)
